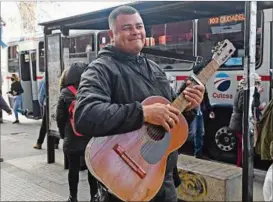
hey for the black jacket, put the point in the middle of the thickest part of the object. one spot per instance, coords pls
(111, 91)
(16, 87)
(205, 104)
(72, 143)
(236, 120)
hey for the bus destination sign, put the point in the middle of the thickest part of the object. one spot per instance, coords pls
(226, 19)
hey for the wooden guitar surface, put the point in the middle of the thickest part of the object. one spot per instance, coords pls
(127, 183)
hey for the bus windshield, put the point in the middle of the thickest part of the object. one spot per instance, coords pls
(231, 27)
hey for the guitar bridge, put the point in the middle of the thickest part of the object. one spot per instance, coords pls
(129, 161)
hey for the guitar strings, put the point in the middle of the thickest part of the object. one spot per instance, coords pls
(203, 76)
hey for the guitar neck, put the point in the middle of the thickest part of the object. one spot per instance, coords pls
(203, 76)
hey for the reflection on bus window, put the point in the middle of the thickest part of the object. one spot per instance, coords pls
(13, 59)
(82, 48)
(174, 37)
(103, 39)
(231, 27)
(41, 57)
(78, 44)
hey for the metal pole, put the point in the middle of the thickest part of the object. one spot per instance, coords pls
(50, 138)
(1, 112)
(249, 70)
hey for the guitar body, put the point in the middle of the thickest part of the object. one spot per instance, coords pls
(132, 165)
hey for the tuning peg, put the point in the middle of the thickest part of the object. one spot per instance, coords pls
(213, 50)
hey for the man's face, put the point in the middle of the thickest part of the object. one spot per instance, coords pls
(128, 33)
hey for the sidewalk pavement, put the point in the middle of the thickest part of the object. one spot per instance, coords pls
(25, 173)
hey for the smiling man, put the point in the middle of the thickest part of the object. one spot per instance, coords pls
(114, 85)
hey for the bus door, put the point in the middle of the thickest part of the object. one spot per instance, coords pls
(12, 68)
(36, 110)
(25, 76)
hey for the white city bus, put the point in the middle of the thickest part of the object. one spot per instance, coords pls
(197, 38)
(26, 59)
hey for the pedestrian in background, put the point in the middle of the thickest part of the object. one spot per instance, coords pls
(4, 106)
(42, 102)
(16, 91)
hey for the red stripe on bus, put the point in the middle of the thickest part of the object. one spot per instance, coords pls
(37, 77)
(263, 77)
(181, 78)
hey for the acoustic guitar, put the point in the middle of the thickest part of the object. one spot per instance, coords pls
(132, 165)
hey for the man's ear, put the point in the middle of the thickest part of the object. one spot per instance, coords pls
(111, 34)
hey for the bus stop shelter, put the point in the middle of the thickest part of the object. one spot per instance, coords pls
(158, 12)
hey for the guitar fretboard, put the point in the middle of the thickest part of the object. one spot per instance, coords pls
(180, 102)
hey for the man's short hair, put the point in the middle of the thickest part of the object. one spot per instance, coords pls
(122, 10)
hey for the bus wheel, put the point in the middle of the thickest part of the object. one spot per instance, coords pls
(225, 140)
(222, 145)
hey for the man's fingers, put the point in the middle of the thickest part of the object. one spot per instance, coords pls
(174, 117)
(171, 122)
(166, 126)
(173, 109)
(192, 97)
(196, 90)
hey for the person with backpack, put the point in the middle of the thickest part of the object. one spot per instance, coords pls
(74, 144)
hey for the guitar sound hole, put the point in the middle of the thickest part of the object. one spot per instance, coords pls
(156, 133)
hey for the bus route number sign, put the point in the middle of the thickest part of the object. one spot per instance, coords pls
(226, 19)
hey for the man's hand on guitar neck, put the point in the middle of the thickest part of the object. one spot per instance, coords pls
(166, 115)
(194, 95)
(161, 114)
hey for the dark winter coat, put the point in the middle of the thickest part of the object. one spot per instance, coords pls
(72, 143)
(235, 123)
(236, 120)
(16, 87)
(110, 95)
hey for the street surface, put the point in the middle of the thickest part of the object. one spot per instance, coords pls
(26, 176)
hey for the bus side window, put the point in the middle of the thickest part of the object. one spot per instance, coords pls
(13, 61)
(82, 48)
(41, 57)
(174, 37)
(103, 39)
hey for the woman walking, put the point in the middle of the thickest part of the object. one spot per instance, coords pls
(16, 91)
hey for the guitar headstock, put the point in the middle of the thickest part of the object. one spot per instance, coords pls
(222, 51)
